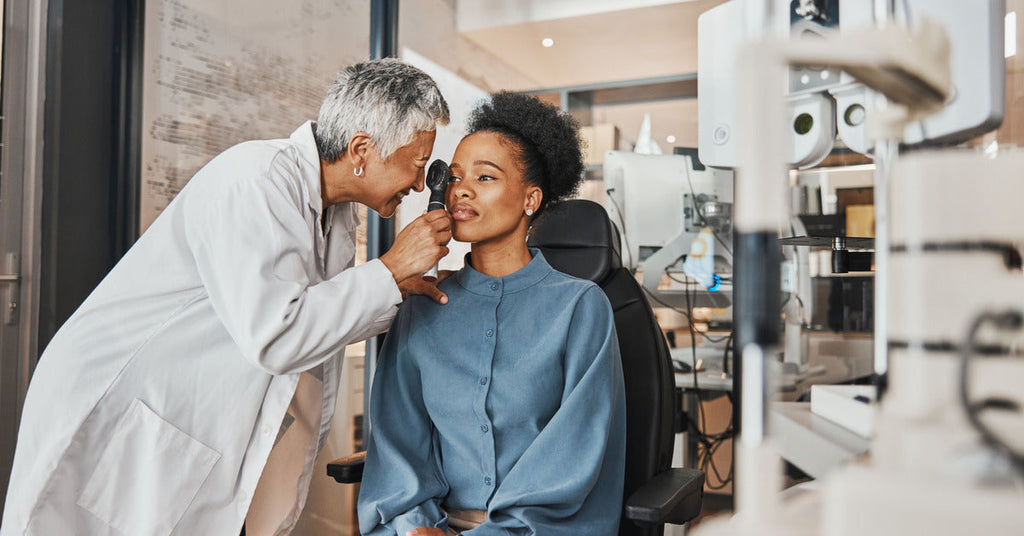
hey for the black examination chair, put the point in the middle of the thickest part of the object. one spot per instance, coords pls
(577, 238)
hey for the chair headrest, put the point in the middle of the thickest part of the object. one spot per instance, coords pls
(578, 239)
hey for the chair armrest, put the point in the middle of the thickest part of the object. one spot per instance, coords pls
(672, 496)
(347, 469)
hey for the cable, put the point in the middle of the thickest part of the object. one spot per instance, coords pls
(725, 358)
(664, 304)
(705, 336)
(714, 340)
(707, 444)
(710, 442)
(711, 294)
(1004, 320)
(622, 226)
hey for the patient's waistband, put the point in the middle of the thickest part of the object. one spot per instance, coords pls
(464, 519)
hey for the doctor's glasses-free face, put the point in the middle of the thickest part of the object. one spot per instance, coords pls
(391, 180)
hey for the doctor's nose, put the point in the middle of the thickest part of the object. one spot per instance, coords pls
(420, 183)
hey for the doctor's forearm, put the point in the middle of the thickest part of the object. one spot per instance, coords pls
(348, 308)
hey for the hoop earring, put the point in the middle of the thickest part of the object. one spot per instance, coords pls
(358, 172)
(529, 212)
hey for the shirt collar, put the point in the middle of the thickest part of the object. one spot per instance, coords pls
(306, 145)
(485, 285)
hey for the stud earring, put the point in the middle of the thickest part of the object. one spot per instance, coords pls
(529, 212)
(358, 172)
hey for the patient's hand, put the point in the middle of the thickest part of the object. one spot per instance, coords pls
(425, 531)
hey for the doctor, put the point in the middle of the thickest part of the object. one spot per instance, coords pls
(193, 388)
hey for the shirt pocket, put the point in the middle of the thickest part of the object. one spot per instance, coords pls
(148, 474)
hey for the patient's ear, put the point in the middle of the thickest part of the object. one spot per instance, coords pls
(534, 196)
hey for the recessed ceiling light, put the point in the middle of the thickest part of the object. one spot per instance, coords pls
(547, 42)
(671, 139)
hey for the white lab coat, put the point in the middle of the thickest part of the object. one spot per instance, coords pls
(154, 408)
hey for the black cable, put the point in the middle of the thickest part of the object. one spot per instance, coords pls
(710, 442)
(1004, 320)
(622, 226)
(664, 304)
(725, 358)
(693, 350)
(711, 294)
(707, 444)
(705, 336)
(714, 340)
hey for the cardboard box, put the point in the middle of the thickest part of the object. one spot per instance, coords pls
(860, 221)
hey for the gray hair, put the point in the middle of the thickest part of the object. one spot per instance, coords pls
(390, 100)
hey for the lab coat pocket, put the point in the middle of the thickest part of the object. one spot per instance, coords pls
(148, 474)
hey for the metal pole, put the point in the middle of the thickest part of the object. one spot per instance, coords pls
(754, 253)
(760, 190)
(380, 232)
(886, 152)
(885, 155)
(383, 29)
(125, 199)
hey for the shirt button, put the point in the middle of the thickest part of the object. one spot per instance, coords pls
(494, 286)
(267, 430)
(483, 428)
(483, 381)
(490, 333)
(487, 480)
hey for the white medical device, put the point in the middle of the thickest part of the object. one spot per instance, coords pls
(947, 454)
(823, 103)
(660, 203)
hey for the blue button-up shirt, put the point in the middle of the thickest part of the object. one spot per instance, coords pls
(509, 399)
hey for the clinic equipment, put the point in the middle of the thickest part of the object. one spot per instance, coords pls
(823, 102)
(660, 205)
(948, 293)
(438, 176)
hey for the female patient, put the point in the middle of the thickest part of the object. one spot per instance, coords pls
(504, 408)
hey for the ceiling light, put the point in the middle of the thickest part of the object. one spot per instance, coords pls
(671, 139)
(547, 42)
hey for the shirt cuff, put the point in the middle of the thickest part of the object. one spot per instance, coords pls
(393, 294)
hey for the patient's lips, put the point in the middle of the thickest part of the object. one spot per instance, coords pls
(463, 212)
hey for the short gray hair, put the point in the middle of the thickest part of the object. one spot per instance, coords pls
(390, 100)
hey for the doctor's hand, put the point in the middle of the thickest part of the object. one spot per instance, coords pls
(419, 245)
(418, 285)
(426, 531)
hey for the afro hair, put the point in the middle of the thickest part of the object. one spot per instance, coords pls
(547, 139)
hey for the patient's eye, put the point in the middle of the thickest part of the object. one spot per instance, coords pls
(485, 178)
(453, 178)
